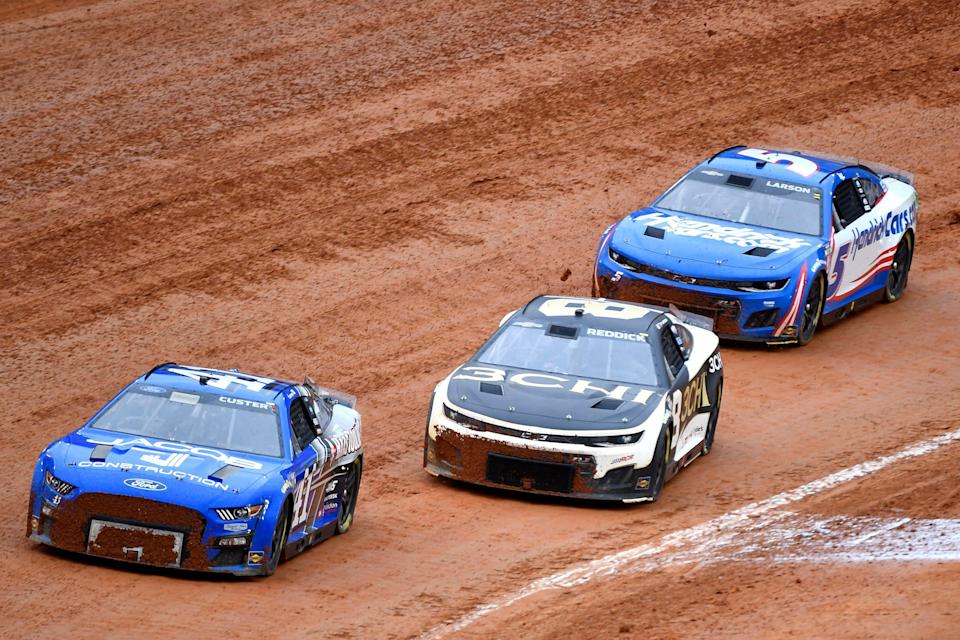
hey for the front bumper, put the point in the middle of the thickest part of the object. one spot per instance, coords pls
(553, 469)
(734, 313)
(139, 531)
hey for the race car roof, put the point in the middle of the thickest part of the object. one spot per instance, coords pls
(235, 384)
(601, 313)
(790, 166)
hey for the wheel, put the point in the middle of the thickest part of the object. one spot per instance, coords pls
(661, 454)
(899, 271)
(279, 540)
(811, 312)
(348, 501)
(712, 423)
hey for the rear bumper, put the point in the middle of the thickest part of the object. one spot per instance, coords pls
(516, 466)
(731, 311)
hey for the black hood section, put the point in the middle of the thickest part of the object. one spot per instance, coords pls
(516, 397)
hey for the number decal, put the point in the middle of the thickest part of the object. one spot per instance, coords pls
(305, 503)
(676, 407)
(716, 364)
(568, 307)
(836, 276)
(222, 380)
(803, 166)
(301, 499)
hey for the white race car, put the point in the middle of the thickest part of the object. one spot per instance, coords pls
(579, 397)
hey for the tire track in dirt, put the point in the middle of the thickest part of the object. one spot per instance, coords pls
(281, 185)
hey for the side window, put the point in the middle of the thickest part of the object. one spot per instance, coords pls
(671, 350)
(850, 201)
(872, 190)
(686, 340)
(322, 411)
(303, 432)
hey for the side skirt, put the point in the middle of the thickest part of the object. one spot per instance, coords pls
(857, 304)
(677, 466)
(312, 538)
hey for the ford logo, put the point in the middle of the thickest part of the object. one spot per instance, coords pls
(144, 484)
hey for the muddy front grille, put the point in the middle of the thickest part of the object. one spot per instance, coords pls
(131, 522)
(530, 474)
(133, 543)
(724, 311)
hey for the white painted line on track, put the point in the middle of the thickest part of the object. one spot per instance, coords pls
(706, 536)
(883, 529)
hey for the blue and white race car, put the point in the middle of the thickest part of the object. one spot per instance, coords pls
(202, 469)
(766, 243)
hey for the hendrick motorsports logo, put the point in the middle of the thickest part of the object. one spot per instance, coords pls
(144, 484)
(741, 237)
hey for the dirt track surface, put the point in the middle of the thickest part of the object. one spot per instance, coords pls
(360, 190)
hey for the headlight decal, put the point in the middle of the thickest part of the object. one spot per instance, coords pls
(239, 513)
(58, 485)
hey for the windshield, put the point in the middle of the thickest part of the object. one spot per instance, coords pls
(751, 200)
(590, 353)
(202, 419)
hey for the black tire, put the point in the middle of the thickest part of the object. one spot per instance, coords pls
(661, 457)
(279, 541)
(899, 270)
(350, 493)
(712, 423)
(812, 310)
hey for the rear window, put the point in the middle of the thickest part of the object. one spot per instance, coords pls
(202, 419)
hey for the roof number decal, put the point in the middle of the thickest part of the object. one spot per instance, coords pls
(798, 164)
(559, 307)
(222, 380)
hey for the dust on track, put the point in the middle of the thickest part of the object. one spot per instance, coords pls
(359, 192)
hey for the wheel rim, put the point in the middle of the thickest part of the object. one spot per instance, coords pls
(662, 471)
(349, 497)
(898, 271)
(279, 535)
(712, 428)
(811, 310)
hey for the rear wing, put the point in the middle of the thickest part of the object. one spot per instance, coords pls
(331, 395)
(885, 171)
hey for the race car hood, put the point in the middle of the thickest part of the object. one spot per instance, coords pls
(568, 403)
(174, 472)
(698, 246)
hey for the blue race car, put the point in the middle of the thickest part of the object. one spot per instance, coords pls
(767, 244)
(202, 469)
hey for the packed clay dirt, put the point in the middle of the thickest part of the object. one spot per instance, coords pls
(359, 191)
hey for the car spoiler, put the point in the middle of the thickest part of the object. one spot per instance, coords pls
(332, 395)
(885, 171)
